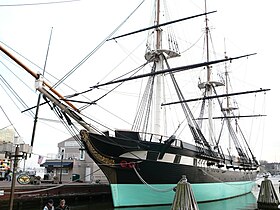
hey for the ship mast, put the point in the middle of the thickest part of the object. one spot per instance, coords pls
(158, 31)
(159, 56)
(154, 95)
(227, 100)
(209, 84)
(228, 107)
(159, 78)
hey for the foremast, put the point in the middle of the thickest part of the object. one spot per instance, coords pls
(157, 55)
(159, 78)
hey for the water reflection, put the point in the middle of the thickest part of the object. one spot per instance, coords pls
(241, 202)
(146, 208)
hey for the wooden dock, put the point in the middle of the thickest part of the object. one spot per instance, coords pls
(44, 191)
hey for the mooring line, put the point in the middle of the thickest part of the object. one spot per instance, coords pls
(153, 188)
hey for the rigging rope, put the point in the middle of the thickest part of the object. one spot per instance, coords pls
(19, 99)
(32, 64)
(38, 3)
(93, 102)
(9, 121)
(144, 106)
(233, 134)
(95, 49)
(194, 127)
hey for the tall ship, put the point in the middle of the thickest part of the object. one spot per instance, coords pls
(144, 163)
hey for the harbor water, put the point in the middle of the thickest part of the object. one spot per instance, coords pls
(245, 202)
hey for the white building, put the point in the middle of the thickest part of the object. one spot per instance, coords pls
(72, 163)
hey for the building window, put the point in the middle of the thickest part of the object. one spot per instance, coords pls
(82, 154)
(65, 171)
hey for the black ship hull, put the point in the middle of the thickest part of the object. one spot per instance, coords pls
(133, 166)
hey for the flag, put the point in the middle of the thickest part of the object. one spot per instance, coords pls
(41, 159)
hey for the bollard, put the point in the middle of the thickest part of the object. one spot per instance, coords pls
(184, 198)
(267, 198)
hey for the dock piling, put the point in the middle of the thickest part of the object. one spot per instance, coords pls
(184, 198)
(267, 198)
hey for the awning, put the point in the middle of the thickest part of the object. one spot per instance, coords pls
(65, 164)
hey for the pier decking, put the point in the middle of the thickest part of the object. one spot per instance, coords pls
(44, 191)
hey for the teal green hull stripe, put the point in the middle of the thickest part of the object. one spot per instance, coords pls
(160, 194)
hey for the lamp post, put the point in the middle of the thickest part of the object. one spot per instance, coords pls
(14, 178)
(61, 165)
(21, 151)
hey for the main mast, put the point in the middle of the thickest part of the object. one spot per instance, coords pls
(209, 84)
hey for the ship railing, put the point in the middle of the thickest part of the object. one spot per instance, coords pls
(151, 137)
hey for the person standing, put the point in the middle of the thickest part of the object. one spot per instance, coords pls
(49, 205)
(62, 205)
(8, 175)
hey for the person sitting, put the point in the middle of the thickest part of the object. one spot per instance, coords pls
(62, 205)
(49, 205)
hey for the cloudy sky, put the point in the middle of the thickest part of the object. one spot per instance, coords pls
(79, 26)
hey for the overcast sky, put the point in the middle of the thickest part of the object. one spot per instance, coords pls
(79, 26)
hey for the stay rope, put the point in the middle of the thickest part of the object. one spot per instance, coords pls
(96, 48)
